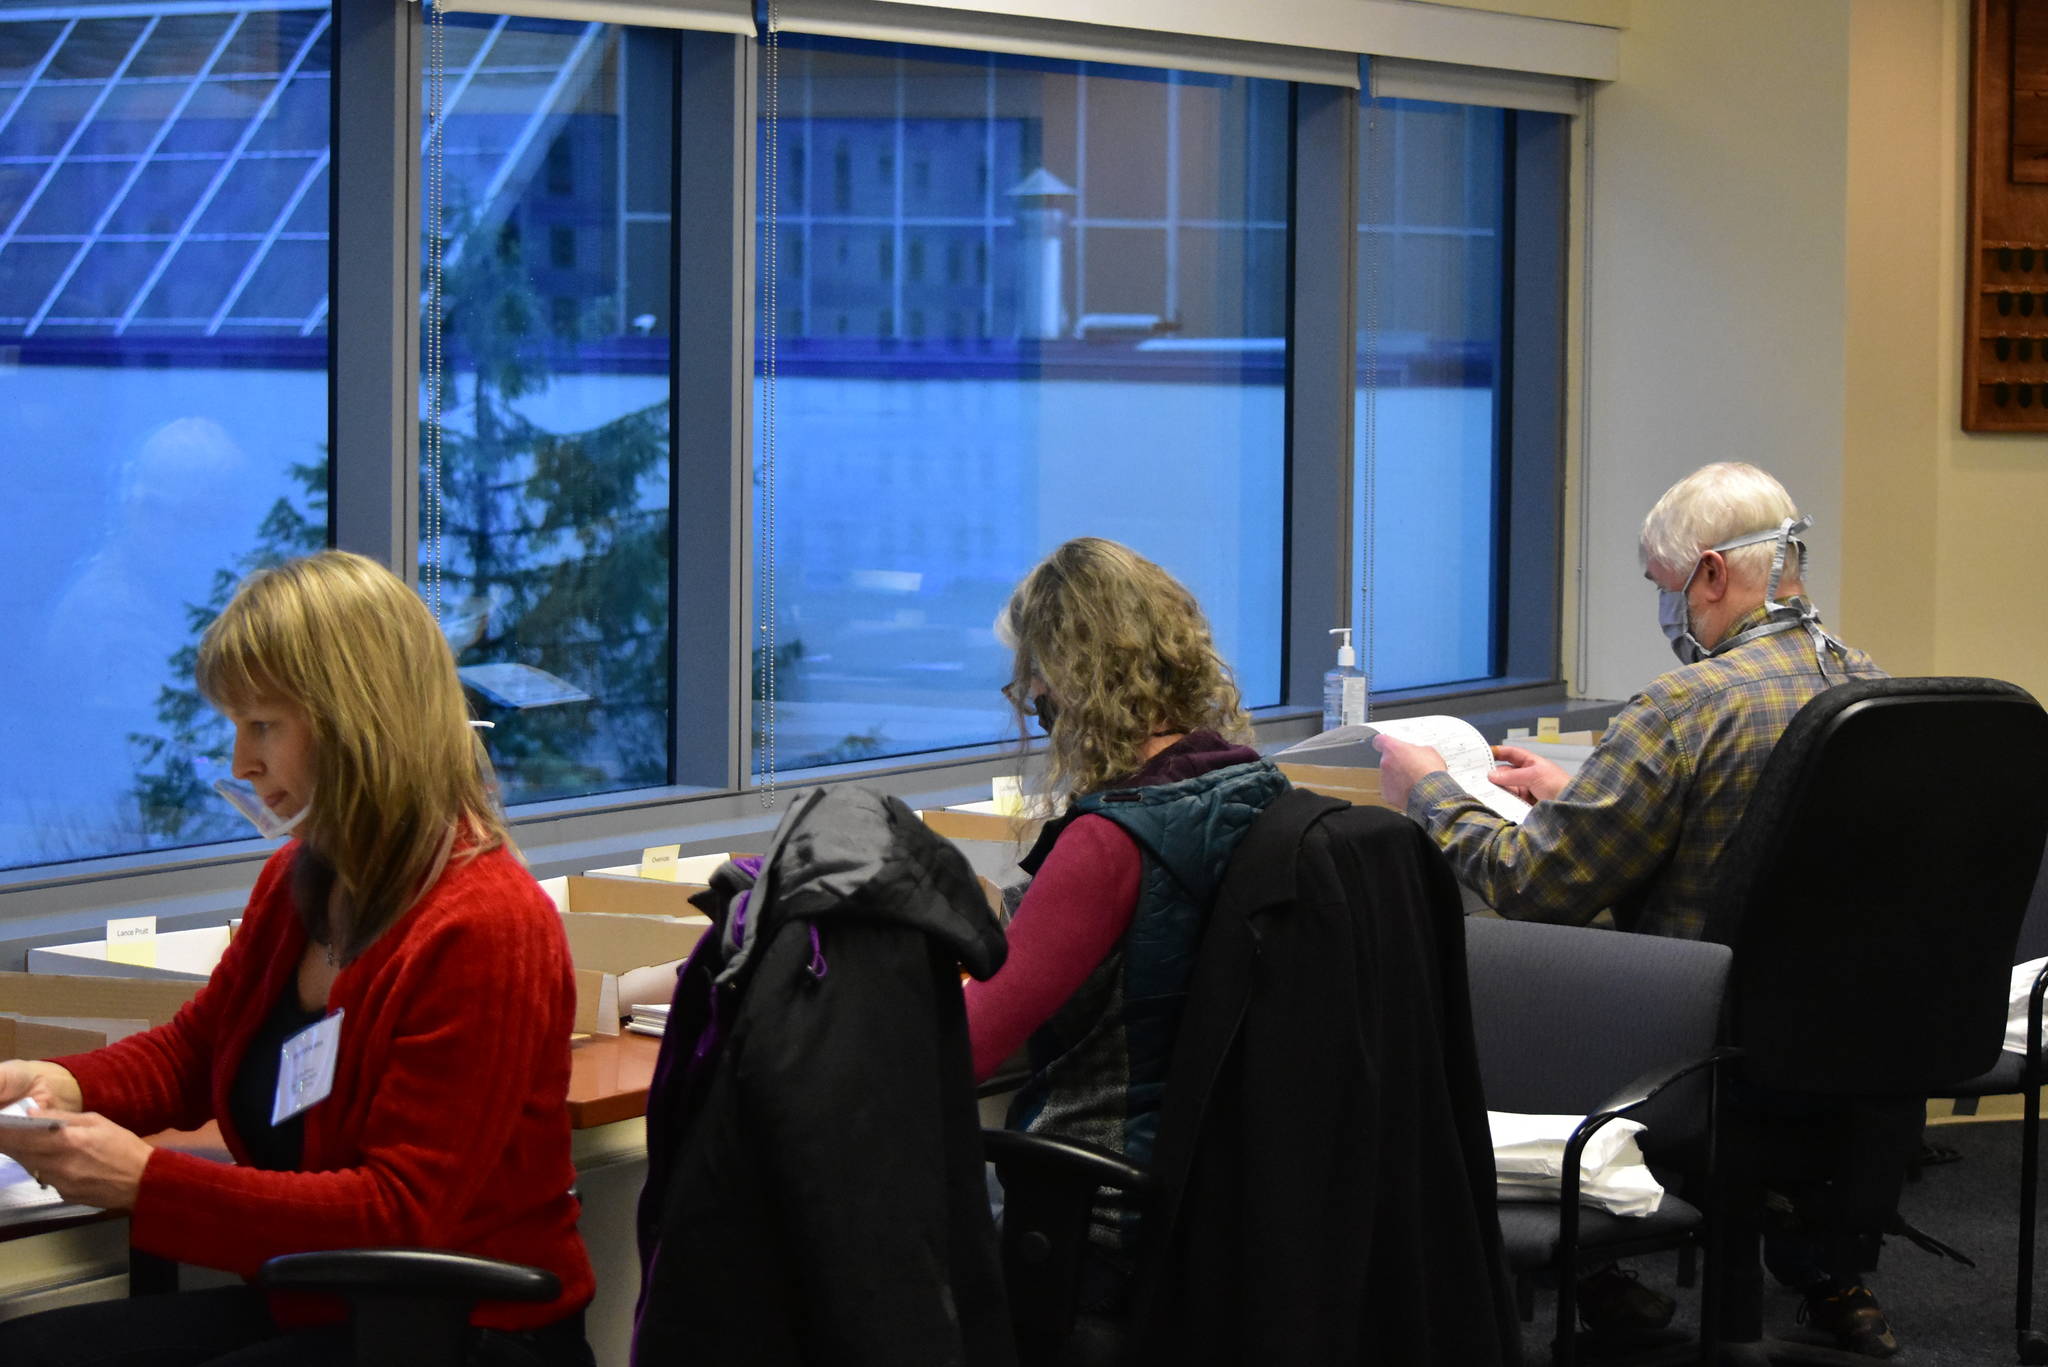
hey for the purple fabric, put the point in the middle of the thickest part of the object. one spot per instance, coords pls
(1195, 754)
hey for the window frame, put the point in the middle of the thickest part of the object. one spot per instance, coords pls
(374, 461)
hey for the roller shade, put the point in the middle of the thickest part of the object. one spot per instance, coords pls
(1395, 79)
(1316, 41)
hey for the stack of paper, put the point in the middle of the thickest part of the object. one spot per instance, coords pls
(18, 1190)
(650, 1019)
(1528, 1161)
(2022, 991)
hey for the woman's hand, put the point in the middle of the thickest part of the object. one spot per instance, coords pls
(1528, 775)
(49, 1086)
(89, 1159)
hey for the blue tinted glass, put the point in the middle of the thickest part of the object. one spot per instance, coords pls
(154, 454)
(196, 280)
(298, 121)
(48, 117)
(97, 48)
(289, 284)
(180, 45)
(216, 116)
(105, 281)
(1429, 277)
(1012, 310)
(78, 193)
(163, 195)
(554, 556)
(128, 121)
(255, 194)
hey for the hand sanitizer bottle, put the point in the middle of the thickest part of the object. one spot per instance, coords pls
(1344, 686)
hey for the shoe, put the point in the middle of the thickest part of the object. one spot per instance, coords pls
(1613, 1299)
(1852, 1315)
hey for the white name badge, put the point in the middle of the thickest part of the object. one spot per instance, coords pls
(305, 1068)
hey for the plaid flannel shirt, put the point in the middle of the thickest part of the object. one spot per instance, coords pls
(1639, 828)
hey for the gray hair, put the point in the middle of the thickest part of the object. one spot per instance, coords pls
(1716, 503)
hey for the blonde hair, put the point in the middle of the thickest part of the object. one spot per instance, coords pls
(401, 778)
(1716, 503)
(1126, 654)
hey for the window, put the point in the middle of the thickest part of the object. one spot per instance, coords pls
(163, 386)
(553, 556)
(1430, 267)
(1114, 364)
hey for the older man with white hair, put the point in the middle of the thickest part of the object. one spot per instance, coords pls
(1639, 829)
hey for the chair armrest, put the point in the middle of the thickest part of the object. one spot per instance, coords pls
(1063, 1162)
(408, 1273)
(1649, 1086)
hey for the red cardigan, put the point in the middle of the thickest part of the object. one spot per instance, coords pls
(448, 1125)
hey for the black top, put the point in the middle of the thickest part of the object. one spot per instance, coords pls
(280, 1147)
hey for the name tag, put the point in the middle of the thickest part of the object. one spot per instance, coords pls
(305, 1068)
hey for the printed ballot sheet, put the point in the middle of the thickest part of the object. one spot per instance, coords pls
(17, 1189)
(1467, 756)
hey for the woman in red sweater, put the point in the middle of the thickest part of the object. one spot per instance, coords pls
(386, 1041)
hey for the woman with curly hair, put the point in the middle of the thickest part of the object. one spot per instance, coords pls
(1147, 762)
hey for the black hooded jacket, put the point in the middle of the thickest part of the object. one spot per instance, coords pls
(815, 1189)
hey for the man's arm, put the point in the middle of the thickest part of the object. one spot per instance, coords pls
(1601, 838)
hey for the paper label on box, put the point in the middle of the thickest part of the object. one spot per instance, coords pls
(1546, 728)
(659, 861)
(1007, 793)
(132, 940)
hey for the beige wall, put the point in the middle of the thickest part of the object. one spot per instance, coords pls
(1715, 294)
(1945, 528)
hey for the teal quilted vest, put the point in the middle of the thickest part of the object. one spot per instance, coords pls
(1098, 1067)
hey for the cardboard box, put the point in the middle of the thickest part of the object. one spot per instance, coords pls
(621, 896)
(43, 1015)
(966, 823)
(616, 927)
(181, 956)
(1360, 787)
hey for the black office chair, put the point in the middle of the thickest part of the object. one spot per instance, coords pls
(2025, 1074)
(1872, 895)
(1576, 1021)
(409, 1306)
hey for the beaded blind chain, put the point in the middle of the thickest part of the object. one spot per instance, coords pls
(434, 362)
(1369, 328)
(771, 153)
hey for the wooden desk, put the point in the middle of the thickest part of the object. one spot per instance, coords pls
(608, 1078)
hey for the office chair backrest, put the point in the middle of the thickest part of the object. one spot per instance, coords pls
(2033, 941)
(1566, 1016)
(1874, 890)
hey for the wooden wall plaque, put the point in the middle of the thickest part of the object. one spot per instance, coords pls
(2005, 308)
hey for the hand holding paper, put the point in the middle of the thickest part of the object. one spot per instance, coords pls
(88, 1159)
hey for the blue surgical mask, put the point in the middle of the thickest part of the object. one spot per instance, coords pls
(1674, 613)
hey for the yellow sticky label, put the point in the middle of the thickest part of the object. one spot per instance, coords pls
(1546, 728)
(1007, 792)
(132, 940)
(659, 861)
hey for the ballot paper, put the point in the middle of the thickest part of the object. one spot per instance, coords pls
(18, 1190)
(2021, 1000)
(1467, 756)
(1528, 1161)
